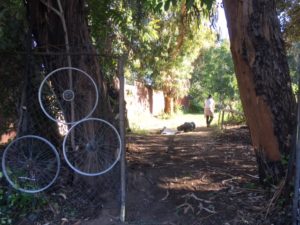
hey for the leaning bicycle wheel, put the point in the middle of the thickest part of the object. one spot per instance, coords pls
(30, 164)
(67, 95)
(92, 147)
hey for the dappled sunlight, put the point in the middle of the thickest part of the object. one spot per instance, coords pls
(198, 173)
(203, 183)
(149, 122)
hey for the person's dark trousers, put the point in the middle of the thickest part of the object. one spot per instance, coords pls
(208, 120)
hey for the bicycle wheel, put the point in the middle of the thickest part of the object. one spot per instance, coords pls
(92, 147)
(30, 164)
(67, 95)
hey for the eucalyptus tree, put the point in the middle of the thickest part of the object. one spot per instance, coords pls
(264, 82)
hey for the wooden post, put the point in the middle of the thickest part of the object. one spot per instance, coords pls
(122, 135)
(222, 119)
(297, 176)
(219, 117)
(296, 200)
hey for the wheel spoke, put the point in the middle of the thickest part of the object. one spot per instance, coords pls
(99, 142)
(30, 164)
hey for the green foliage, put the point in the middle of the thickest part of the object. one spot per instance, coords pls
(195, 106)
(167, 50)
(214, 74)
(250, 185)
(294, 64)
(15, 205)
(234, 118)
(160, 39)
(134, 128)
(11, 24)
(178, 108)
(285, 160)
(165, 116)
(12, 30)
(111, 27)
(289, 15)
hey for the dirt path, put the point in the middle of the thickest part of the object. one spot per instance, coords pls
(195, 178)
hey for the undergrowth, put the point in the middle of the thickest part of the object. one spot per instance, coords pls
(15, 205)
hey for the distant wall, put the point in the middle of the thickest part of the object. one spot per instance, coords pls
(140, 99)
(7, 136)
(158, 103)
(184, 102)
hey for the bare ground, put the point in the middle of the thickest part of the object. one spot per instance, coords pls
(202, 177)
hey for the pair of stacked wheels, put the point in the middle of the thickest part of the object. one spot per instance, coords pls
(91, 146)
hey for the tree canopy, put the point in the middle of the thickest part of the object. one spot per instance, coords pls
(289, 14)
(214, 74)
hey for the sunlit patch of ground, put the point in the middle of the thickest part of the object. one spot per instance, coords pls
(148, 122)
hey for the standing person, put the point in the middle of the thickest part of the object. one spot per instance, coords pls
(209, 108)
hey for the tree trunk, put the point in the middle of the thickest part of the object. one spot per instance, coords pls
(32, 121)
(169, 105)
(61, 32)
(50, 35)
(182, 29)
(263, 78)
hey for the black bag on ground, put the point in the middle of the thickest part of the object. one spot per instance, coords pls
(187, 126)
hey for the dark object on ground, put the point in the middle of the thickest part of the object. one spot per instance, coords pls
(187, 126)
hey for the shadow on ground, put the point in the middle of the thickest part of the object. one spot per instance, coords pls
(202, 177)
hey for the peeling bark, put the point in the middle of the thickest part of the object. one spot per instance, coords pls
(263, 79)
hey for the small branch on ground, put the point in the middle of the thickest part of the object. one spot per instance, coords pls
(275, 197)
(192, 195)
(166, 196)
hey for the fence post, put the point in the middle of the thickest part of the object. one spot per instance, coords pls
(296, 200)
(222, 119)
(219, 117)
(122, 135)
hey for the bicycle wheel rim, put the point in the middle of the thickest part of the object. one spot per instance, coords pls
(102, 158)
(24, 177)
(58, 102)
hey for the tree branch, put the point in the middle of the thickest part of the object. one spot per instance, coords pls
(51, 7)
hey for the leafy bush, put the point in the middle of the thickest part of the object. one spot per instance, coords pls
(195, 107)
(235, 119)
(15, 205)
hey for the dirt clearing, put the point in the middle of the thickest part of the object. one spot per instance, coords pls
(202, 177)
